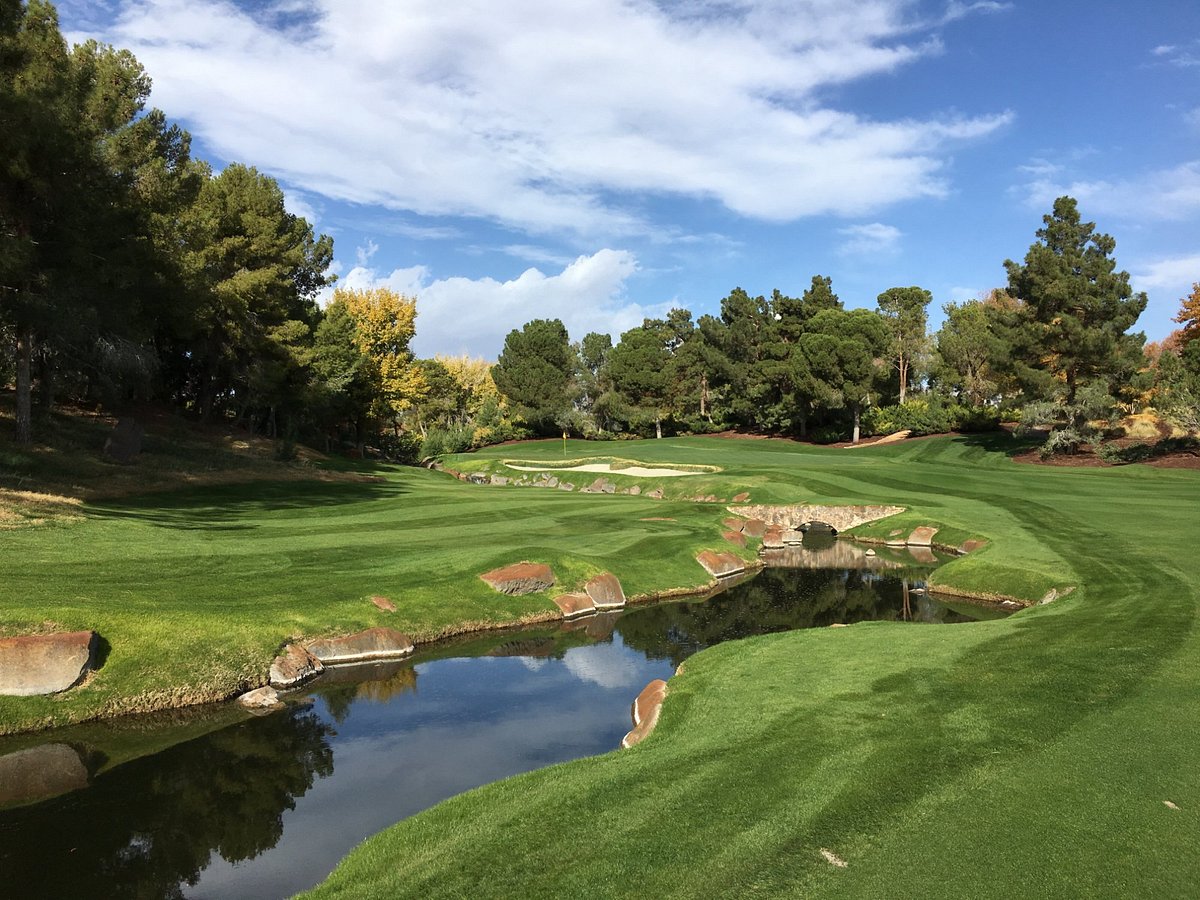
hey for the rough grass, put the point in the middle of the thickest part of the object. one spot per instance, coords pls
(1025, 757)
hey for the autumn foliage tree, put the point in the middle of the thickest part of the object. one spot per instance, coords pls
(1189, 316)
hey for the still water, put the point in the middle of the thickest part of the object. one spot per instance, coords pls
(217, 803)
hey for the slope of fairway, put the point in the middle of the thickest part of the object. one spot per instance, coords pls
(1030, 757)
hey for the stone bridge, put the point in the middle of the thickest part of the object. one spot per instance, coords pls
(840, 517)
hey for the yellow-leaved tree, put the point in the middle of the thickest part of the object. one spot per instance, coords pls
(384, 324)
(1189, 315)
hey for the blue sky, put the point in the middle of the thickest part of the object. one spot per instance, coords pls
(601, 161)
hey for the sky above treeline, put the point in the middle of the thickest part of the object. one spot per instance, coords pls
(601, 161)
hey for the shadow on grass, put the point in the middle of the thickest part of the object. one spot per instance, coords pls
(1001, 442)
(217, 507)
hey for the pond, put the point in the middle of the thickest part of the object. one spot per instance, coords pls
(217, 803)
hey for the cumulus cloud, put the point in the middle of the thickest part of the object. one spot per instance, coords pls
(466, 315)
(1173, 275)
(551, 117)
(872, 239)
(1166, 194)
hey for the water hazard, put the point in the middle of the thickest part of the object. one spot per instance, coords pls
(217, 803)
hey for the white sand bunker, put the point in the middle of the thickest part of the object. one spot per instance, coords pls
(607, 469)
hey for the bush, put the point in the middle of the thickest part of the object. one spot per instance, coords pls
(440, 441)
(826, 435)
(1061, 441)
(1140, 452)
(973, 418)
(404, 448)
(920, 416)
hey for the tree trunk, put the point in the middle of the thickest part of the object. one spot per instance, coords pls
(704, 398)
(856, 424)
(24, 433)
(903, 378)
(657, 427)
(803, 421)
(1070, 387)
(45, 382)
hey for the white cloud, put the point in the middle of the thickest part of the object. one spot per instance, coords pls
(551, 117)
(298, 205)
(608, 665)
(465, 315)
(1169, 275)
(363, 254)
(870, 240)
(1166, 194)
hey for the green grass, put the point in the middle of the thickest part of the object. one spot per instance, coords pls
(1028, 756)
(1021, 757)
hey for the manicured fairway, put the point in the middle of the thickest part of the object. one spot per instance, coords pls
(1029, 757)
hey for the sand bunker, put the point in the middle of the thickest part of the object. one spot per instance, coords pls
(607, 469)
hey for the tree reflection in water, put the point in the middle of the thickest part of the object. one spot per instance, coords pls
(149, 827)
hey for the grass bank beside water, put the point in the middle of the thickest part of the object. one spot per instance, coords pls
(1033, 756)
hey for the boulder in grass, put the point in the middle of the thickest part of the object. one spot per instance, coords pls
(656, 494)
(734, 537)
(645, 712)
(754, 527)
(605, 591)
(922, 536)
(40, 773)
(45, 663)
(733, 524)
(741, 498)
(720, 564)
(971, 546)
(384, 604)
(636, 490)
(520, 578)
(365, 646)
(575, 606)
(499, 480)
(293, 666)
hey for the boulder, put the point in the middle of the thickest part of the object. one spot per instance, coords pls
(499, 480)
(721, 564)
(635, 490)
(733, 524)
(574, 606)
(566, 486)
(263, 698)
(552, 482)
(124, 444)
(645, 712)
(922, 536)
(520, 578)
(734, 537)
(741, 498)
(772, 538)
(605, 591)
(383, 603)
(656, 494)
(39, 773)
(365, 646)
(971, 546)
(478, 478)
(45, 663)
(754, 527)
(597, 486)
(608, 488)
(791, 536)
(294, 666)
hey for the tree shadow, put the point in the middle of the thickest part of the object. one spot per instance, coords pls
(217, 508)
(1005, 442)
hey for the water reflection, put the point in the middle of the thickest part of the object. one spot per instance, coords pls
(257, 809)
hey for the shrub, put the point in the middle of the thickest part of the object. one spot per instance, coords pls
(920, 416)
(1061, 440)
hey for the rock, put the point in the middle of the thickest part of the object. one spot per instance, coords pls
(839, 625)
(741, 498)
(124, 444)
(566, 486)
(574, 606)
(772, 538)
(39, 773)
(635, 490)
(791, 536)
(971, 546)
(869, 553)
(499, 480)
(372, 644)
(733, 524)
(895, 532)
(45, 663)
(734, 537)
(478, 478)
(754, 527)
(609, 488)
(656, 494)
(645, 712)
(552, 482)
(596, 486)
(605, 591)
(922, 536)
(294, 666)
(261, 698)
(384, 604)
(520, 578)
(721, 564)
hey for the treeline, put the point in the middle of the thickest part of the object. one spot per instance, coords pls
(130, 271)
(1052, 348)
